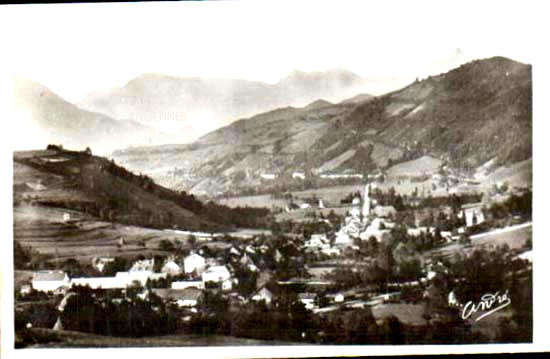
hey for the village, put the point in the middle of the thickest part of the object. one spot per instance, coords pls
(372, 257)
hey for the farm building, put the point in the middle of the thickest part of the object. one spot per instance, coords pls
(46, 281)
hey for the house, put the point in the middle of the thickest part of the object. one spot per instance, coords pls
(250, 249)
(268, 176)
(194, 263)
(447, 235)
(263, 294)
(317, 241)
(171, 267)
(342, 238)
(46, 281)
(25, 289)
(246, 261)
(300, 175)
(216, 274)
(339, 298)
(143, 265)
(528, 256)
(451, 299)
(474, 213)
(308, 299)
(99, 263)
(188, 284)
(278, 256)
(188, 297)
(228, 284)
(385, 211)
(331, 251)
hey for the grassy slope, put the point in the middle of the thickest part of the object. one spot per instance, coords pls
(79, 188)
(47, 338)
(477, 112)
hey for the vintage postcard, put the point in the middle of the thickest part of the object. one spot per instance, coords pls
(239, 179)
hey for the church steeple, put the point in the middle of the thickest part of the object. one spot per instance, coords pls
(366, 202)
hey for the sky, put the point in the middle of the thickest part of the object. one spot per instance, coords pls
(75, 49)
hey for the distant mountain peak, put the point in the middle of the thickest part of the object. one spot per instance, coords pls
(318, 104)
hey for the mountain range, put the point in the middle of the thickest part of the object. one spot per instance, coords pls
(478, 115)
(44, 118)
(189, 107)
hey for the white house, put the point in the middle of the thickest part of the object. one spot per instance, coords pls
(188, 284)
(227, 284)
(268, 176)
(452, 301)
(143, 265)
(171, 267)
(216, 274)
(194, 262)
(99, 263)
(317, 241)
(342, 238)
(46, 281)
(300, 175)
(25, 289)
(190, 297)
(474, 214)
(308, 299)
(331, 251)
(384, 211)
(263, 294)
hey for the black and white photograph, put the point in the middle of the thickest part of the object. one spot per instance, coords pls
(235, 178)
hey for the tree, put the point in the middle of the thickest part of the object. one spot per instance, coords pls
(166, 245)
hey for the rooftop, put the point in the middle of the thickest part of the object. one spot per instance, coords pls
(49, 276)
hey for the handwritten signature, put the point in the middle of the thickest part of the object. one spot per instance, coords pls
(486, 304)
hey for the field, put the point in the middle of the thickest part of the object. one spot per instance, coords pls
(519, 174)
(332, 195)
(47, 338)
(514, 237)
(425, 164)
(410, 314)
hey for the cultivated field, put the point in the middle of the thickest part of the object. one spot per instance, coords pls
(514, 237)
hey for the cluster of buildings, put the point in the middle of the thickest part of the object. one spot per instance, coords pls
(204, 273)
